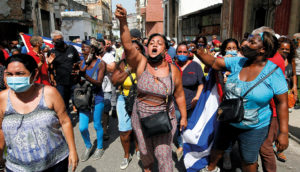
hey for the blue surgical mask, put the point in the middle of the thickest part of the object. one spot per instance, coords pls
(43, 46)
(182, 58)
(19, 84)
(232, 52)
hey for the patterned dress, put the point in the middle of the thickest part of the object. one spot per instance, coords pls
(34, 140)
(152, 92)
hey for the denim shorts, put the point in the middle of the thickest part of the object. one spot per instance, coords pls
(249, 140)
(123, 117)
(107, 102)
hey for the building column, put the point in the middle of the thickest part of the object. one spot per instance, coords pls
(226, 19)
(294, 22)
(52, 23)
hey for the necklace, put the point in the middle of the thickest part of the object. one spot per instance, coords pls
(155, 68)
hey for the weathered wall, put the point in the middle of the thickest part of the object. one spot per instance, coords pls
(11, 10)
(76, 27)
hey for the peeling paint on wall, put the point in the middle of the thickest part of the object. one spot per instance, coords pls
(4, 8)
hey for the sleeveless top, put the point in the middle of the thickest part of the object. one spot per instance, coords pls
(152, 93)
(34, 140)
(98, 92)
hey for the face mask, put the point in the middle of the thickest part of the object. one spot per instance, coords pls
(249, 53)
(200, 45)
(19, 84)
(216, 49)
(232, 52)
(43, 46)
(182, 58)
(59, 43)
(156, 59)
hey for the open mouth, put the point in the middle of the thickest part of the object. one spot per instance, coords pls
(154, 51)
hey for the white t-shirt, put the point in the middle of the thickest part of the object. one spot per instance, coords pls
(108, 58)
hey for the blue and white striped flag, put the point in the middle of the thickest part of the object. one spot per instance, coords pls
(199, 135)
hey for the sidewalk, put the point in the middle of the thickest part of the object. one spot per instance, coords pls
(294, 125)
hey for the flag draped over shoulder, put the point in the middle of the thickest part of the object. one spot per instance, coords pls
(47, 41)
(199, 135)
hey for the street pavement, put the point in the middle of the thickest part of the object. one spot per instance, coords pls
(110, 162)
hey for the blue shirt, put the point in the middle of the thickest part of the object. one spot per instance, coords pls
(98, 92)
(256, 103)
(172, 52)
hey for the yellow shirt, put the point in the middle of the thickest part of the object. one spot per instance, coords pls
(127, 84)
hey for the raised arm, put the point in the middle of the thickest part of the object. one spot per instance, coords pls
(119, 75)
(133, 57)
(209, 60)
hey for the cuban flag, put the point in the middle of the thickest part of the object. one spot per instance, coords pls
(47, 41)
(199, 135)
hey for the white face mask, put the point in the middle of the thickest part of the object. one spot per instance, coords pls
(89, 58)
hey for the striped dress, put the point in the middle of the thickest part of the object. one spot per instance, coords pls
(34, 140)
(151, 99)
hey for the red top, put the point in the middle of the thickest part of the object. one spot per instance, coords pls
(168, 58)
(43, 77)
(278, 60)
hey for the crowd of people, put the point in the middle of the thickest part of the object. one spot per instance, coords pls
(152, 86)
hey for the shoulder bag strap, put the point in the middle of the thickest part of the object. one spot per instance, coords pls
(260, 81)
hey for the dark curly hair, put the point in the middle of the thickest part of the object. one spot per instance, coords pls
(226, 42)
(292, 47)
(199, 37)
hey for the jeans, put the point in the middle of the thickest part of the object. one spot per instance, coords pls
(65, 91)
(84, 125)
(178, 117)
(249, 140)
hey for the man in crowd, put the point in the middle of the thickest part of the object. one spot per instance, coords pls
(38, 44)
(65, 58)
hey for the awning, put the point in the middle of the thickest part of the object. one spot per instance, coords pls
(187, 7)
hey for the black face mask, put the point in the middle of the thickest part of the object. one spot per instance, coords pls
(249, 52)
(156, 59)
(59, 43)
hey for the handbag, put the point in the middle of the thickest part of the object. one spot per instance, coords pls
(158, 123)
(83, 96)
(232, 110)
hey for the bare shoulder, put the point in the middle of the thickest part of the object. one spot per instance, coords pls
(51, 95)
(3, 100)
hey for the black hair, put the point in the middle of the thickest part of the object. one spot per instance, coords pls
(26, 60)
(243, 40)
(270, 43)
(199, 37)
(292, 47)
(182, 43)
(2, 57)
(157, 34)
(102, 41)
(226, 42)
(140, 45)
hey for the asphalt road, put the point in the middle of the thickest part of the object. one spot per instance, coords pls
(110, 162)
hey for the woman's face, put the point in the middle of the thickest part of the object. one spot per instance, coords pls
(201, 41)
(182, 50)
(156, 46)
(231, 46)
(136, 46)
(17, 69)
(255, 42)
(86, 49)
(284, 49)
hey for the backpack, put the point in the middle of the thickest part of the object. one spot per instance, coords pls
(130, 99)
(83, 92)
